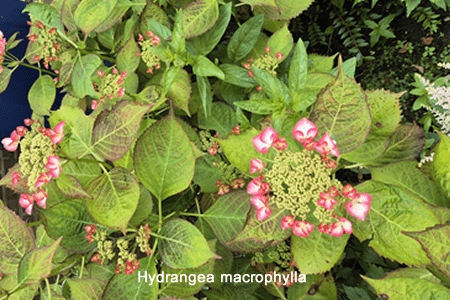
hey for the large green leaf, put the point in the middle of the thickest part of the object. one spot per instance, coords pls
(342, 110)
(393, 211)
(115, 130)
(282, 10)
(183, 246)
(127, 58)
(68, 219)
(5, 77)
(199, 16)
(16, 240)
(115, 198)
(37, 264)
(84, 172)
(385, 110)
(67, 12)
(70, 186)
(180, 91)
(81, 76)
(43, 240)
(298, 68)
(227, 217)
(116, 15)
(305, 97)
(245, 38)
(41, 95)
(164, 159)
(47, 14)
(318, 252)
(320, 286)
(222, 118)
(204, 67)
(86, 288)
(238, 76)
(281, 41)
(91, 13)
(406, 176)
(441, 163)
(134, 286)
(77, 131)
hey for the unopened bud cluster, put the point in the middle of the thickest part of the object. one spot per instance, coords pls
(38, 160)
(109, 86)
(47, 39)
(106, 249)
(147, 45)
(265, 62)
(208, 144)
(300, 182)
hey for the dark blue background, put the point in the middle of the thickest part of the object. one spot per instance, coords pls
(14, 106)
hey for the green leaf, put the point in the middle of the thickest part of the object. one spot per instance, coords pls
(199, 16)
(400, 288)
(204, 91)
(322, 288)
(183, 246)
(37, 264)
(16, 240)
(144, 208)
(157, 15)
(222, 118)
(385, 110)
(318, 252)
(245, 38)
(67, 14)
(180, 91)
(116, 129)
(259, 106)
(206, 42)
(393, 211)
(227, 217)
(298, 69)
(178, 37)
(115, 198)
(259, 235)
(81, 77)
(86, 288)
(336, 109)
(47, 14)
(91, 13)
(70, 186)
(68, 219)
(308, 95)
(5, 76)
(163, 158)
(133, 286)
(283, 10)
(272, 86)
(127, 60)
(281, 41)
(42, 94)
(320, 63)
(204, 67)
(441, 163)
(119, 10)
(206, 174)
(238, 76)
(406, 176)
(43, 240)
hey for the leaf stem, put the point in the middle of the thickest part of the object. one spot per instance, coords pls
(191, 214)
(36, 68)
(82, 267)
(47, 283)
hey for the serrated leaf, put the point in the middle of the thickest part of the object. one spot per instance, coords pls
(86, 288)
(37, 264)
(43, 240)
(47, 14)
(127, 60)
(259, 235)
(272, 86)
(115, 130)
(385, 110)
(298, 69)
(180, 91)
(70, 186)
(284, 9)
(183, 246)
(15, 240)
(5, 77)
(441, 163)
(204, 67)
(227, 217)
(115, 196)
(222, 118)
(320, 63)
(244, 38)
(84, 172)
(91, 13)
(238, 76)
(281, 41)
(318, 252)
(163, 158)
(68, 219)
(155, 13)
(394, 211)
(117, 13)
(199, 16)
(133, 286)
(81, 76)
(42, 94)
(144, 208)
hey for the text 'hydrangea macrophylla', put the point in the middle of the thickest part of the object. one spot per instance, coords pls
(300, 182)
(359, 206)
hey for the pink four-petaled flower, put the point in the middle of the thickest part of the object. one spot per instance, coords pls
(338, 228)
(359, 206)
(26, 201)
(302, 228)
(57, 134)
(41, 198)
(12, 142)
(304, 130)
(54, 166)
(265, 140)
(256, 165)
(326, 145)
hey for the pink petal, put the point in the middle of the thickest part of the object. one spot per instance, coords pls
(358, 210)
(259, 202)
(302, 228)
(25, 200)
(268, 135)
(29, 209)
(263, 213)
(363, 198)
(348, 191)
(9, 144)
(256, 165)
(260, 146)
(336, 229)
(304, 130)
(287, 222)
(59, 128)
(280, 144)
(346, 225)
(40, 197)
(326, 145)
(257, 187)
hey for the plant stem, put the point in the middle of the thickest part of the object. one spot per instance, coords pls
(191, 214)
(48, 288)
(36, 68)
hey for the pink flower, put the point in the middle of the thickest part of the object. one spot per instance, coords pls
(287, 222)
(94, 104)
(26, 201)
(223, 189)
(324, 228)
(15, 178)
(41, 198)
(237, 183)
(359, 206)
(28, 122)
(259, 88)
(115, 71)
(33, 38)
(57, 134)
(309, 144)
(338, 228)
(326, 145)
(333, 191)
(12, 142)
(279, 56)
(121, 92)
(212, 150)
(54, 166)
(263, 213)
(257, 188)
(236, 130)
(348, 191)
(267, 50)
(302, 228)
(90, 229)
(156, 40)
(280, 144)
(247, 66)
(43, 179)
(265, 139)
(259, 202)
(256, 165)
(326, 201)
(304, 130)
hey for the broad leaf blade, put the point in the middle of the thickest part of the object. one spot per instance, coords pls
(86, 288)
(41, 95)
(81, 77)
(91, 13)
(199, 16)
(245, 38)
(70, 186)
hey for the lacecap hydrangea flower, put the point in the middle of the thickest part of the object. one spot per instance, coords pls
(300, 182)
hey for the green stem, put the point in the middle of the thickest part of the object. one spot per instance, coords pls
(352, 166)
(39, 69)
(191, 214)
(82, 267)
(48, 288)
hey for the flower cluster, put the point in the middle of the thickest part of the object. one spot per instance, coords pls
(2, 49)
(300, 181)
(109, 86)
(38, 160)
(151, 60)
(265, 62)
(47, 39)
(208, 144)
